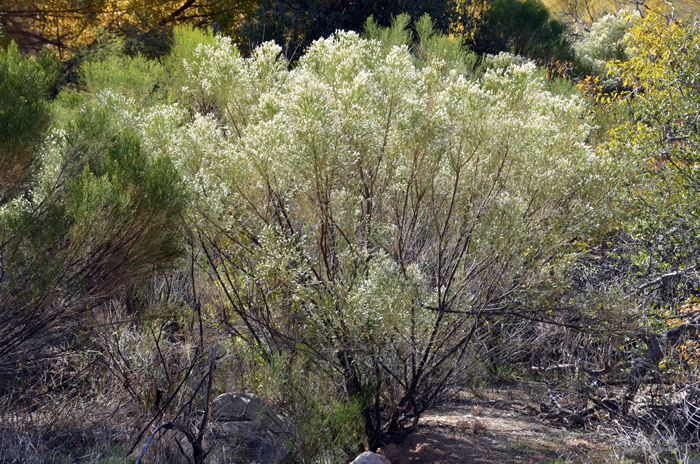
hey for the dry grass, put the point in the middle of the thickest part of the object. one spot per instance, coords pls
(131, 373)
(89, 402)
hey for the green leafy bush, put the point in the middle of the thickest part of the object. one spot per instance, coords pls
(102, 208)
(135, 77)
(523, 28)
(25, 84)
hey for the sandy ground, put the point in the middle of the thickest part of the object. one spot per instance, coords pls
(490, 431)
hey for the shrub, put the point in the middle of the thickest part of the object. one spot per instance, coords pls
(605, 41)
(100, 211)
(523, 28)
(135, 77)
(373, 207)
(25, 84)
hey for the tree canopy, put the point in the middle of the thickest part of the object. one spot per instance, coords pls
(522, 28)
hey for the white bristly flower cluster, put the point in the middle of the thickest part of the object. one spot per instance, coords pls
(606, 40)
(383, 165)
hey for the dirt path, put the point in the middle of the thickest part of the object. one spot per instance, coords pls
(494, 430)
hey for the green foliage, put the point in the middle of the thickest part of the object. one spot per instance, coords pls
(397, 34)
(334, 429)
(328, 425)
(25, 85)
(295, 28)
(523, 28)
(88, 237)
(186, 40)
(446, 53)
(103, 208)
(134, 77)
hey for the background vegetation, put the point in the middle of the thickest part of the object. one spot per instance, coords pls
(353, 224)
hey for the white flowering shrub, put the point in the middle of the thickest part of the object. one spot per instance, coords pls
(370, 213)
(502, 60)
(223, 83)
(373, 208)
(606, 40)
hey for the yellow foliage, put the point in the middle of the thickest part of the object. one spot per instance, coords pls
(64, 24)
(586, 12)
(686, 353)
(656, 44)
(469, 14)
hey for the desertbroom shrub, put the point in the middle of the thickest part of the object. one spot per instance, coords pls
(365, 215)
(372, 207)
(606, 41)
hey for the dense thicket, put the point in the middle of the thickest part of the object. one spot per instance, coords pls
(85, 209)
(522, 28)
(366, 230)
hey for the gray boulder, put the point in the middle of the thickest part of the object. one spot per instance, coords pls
(236, 407)
(369, 457)
(246, 442)
(245, 429)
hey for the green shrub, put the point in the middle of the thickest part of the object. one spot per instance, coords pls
(25, 85)
(102, 210)
(186, 40)
(523, 27)
(135, 77)
(329, 425)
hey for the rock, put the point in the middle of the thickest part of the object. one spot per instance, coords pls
(369, 457)
(390, 451)
(246, 429)
(248, 407)
(246, 441)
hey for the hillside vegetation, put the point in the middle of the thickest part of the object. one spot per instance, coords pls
(355, 232)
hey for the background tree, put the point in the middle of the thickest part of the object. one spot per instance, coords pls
(295, 24)
(522, 28)
(661, 140)
(584, 12)
(64, 25)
